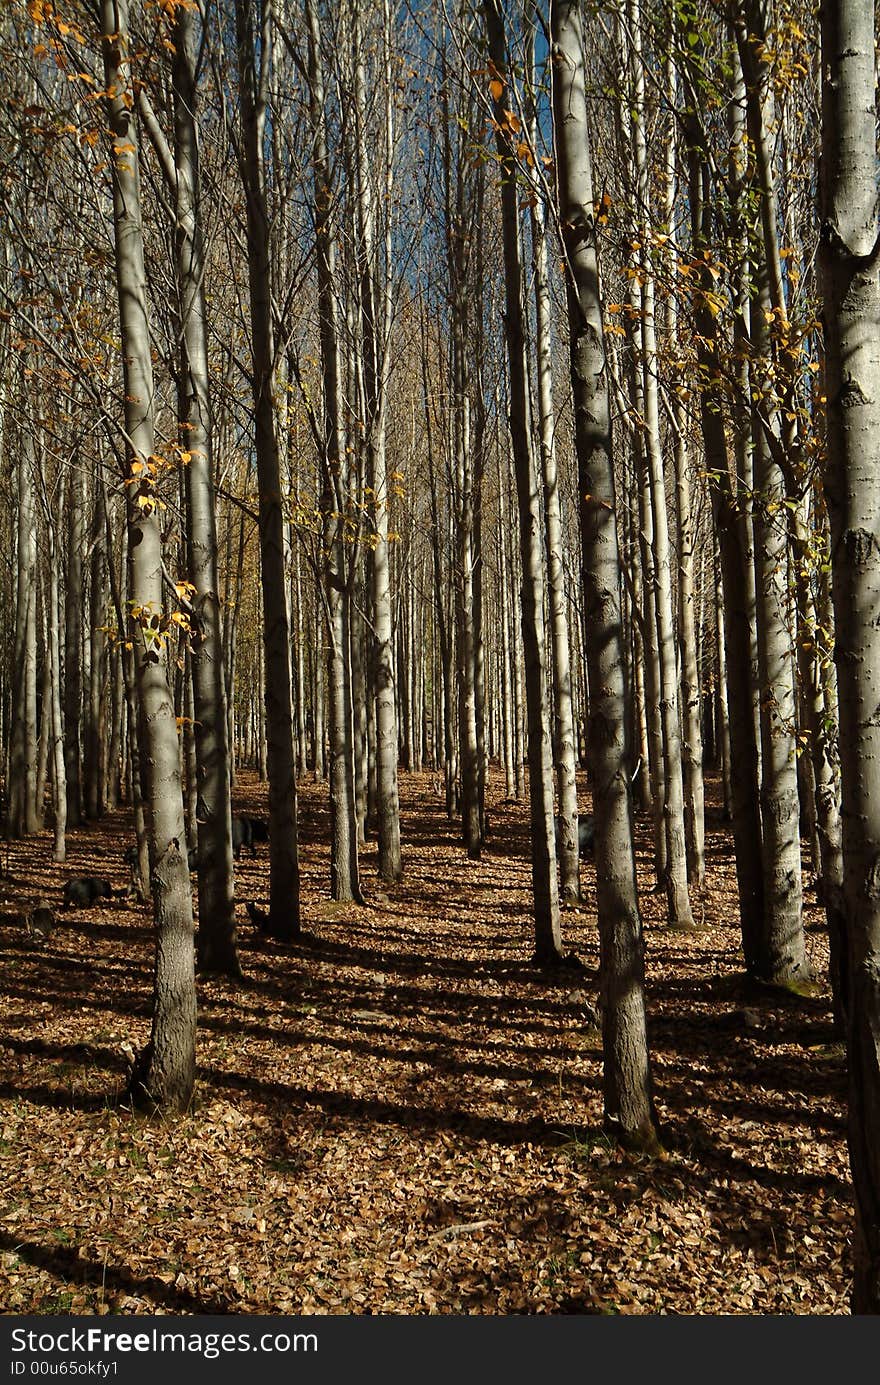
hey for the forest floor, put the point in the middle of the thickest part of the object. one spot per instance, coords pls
(400, 1114)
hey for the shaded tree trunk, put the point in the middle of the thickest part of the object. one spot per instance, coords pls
(545, 884)
(217, 950)
(254, 66)
(731, 523)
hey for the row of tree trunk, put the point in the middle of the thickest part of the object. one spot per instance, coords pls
(669, 599)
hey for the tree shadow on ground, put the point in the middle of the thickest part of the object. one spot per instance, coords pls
(368, 1111)
(69, 1265)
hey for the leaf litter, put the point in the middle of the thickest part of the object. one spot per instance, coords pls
(400, 1114)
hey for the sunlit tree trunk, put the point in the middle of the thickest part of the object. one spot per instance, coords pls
(851, 291)
(375, 304)
(564, 746)
(781, 954)
(53, 655)
(691, 702)
(462, 192)
(676, 874)
(164, 1075)
(627, 1079)
(335, 499)
(73, 634)
(93, 787)
(24, 818)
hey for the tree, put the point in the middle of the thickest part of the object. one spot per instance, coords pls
(335, 495)
(375, 302)
(254, 64)
(164, 1076)
(675, 865)
(216, 940)
(545, 884)
(627, 1081)
(851, 292)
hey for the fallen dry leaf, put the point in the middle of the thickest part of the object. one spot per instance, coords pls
(401, 1115)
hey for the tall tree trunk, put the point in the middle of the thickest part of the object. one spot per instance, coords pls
(141, 873)
(691, 702)
(782, 956)
(731, 523)
(335, 500)
(217, 950)
(506, 668)
(53, 650)
(545, 884)
(629, 1110)
(442, 624)
(93, 788)
(563, 720)
(164, 1075)
(360, 698)
(53, 658)
(375, 303)
(117, 713)
(284, 913)
(318, 737)
(826, 759)
(73, 634)
(565, 749)
(647, 609)
(722, 720)
(299, 655)
(45, 716)
(850, 284)
(22, 781)
(676, 876)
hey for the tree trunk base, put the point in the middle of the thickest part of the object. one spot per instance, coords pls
(804, 986)
(552, 960)
(218, 962)
(146, 1093)
(643, 1140)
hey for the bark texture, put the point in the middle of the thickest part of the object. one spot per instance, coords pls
(851, 291)
(217, 949)
(283, 851)
(164, 1076)
(627, 1079)
(545, 883)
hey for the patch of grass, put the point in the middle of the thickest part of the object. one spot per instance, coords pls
(580, 1145)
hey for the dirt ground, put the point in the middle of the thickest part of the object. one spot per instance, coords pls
(400, 1114)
